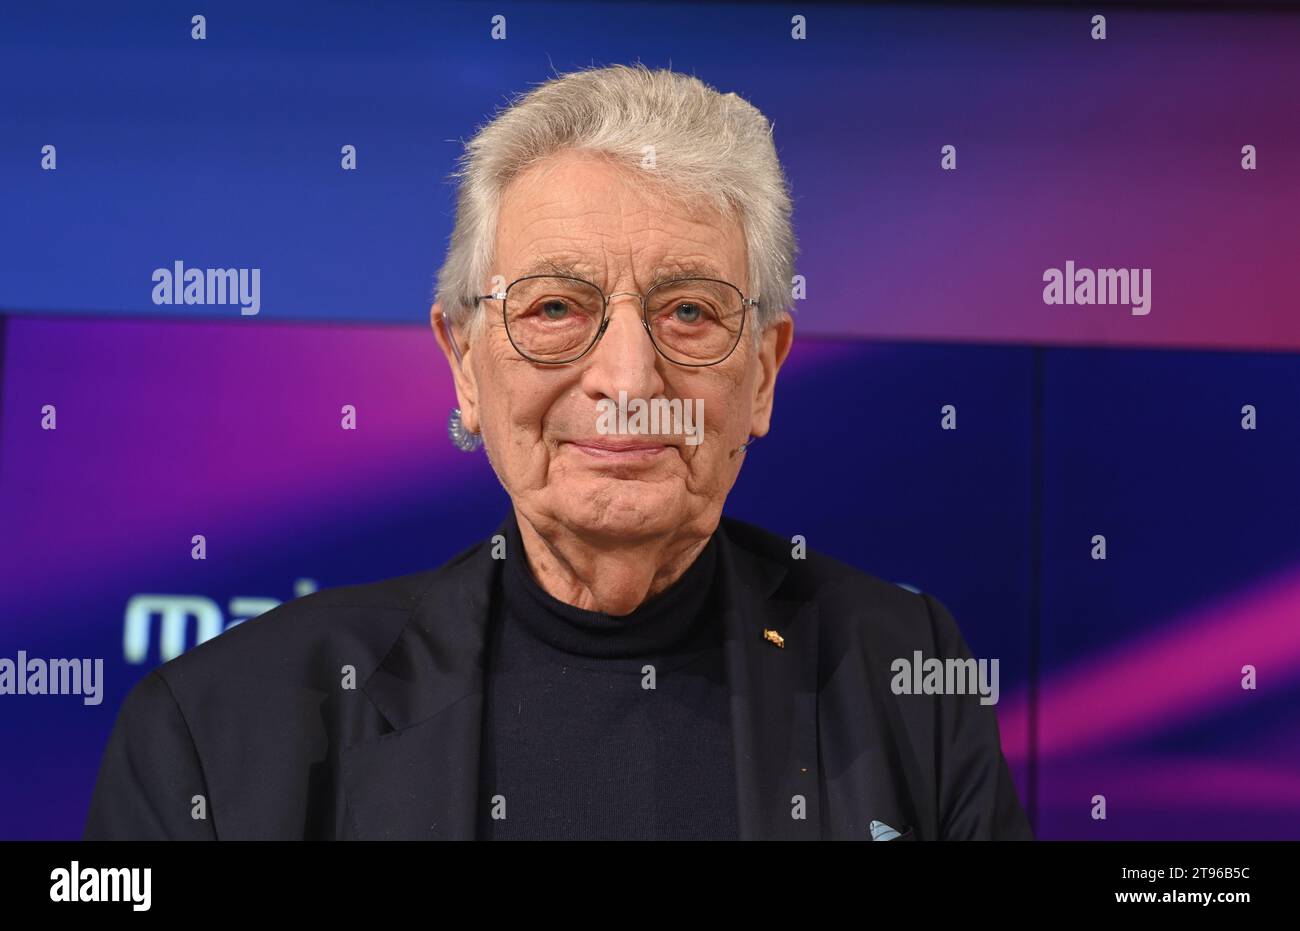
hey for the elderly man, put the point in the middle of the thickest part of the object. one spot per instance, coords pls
(619, 661)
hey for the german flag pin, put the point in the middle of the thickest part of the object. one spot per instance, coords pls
(771, 636)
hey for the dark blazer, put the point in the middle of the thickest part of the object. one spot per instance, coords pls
(260, 721)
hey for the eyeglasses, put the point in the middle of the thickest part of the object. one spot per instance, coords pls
(556, 319)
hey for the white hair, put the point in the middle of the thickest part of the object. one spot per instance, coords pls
(706, 144)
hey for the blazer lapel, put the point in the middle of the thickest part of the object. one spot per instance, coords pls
(420, 780)
(773, 699)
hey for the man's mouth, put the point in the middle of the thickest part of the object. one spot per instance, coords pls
(610, 449)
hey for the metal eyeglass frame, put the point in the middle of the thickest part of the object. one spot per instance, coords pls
(745, 304)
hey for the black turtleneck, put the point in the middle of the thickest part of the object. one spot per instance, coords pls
(574, 742)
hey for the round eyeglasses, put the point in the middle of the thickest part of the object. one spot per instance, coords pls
(556, 319)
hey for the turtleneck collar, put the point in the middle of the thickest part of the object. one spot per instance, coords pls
(661, 624)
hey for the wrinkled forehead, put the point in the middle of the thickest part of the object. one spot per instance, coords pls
(587, 217)
(573, 265)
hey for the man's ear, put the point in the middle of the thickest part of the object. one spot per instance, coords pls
(773, 349)
(457, 352)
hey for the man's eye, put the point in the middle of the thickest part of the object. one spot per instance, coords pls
(688, 313)
(555, 310)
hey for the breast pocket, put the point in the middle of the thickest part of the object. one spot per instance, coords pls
(882, 831)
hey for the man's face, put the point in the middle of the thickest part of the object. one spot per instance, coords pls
(542, 424)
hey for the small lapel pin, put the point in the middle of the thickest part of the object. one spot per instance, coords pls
(772, 636)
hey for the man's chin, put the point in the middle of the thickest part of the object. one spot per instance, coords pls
(621, 512)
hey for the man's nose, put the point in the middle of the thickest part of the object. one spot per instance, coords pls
(624, 359)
